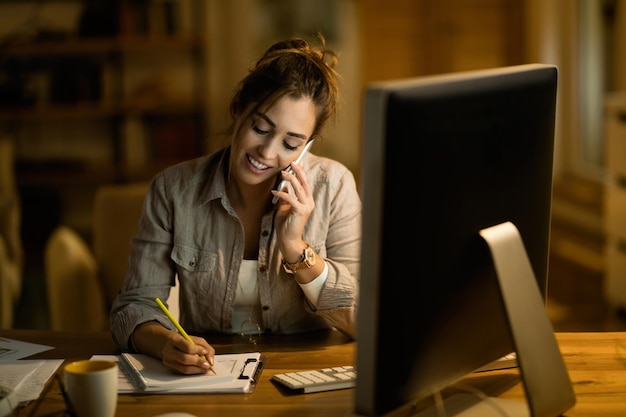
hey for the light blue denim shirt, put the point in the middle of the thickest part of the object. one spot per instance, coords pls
(189, 229)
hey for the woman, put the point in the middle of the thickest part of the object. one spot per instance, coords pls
(245, 264)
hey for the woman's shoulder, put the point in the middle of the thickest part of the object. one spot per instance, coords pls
(193, 168)
(325, 167)
(330, 175)
(194, 177)
(334, 184)
(325, 164)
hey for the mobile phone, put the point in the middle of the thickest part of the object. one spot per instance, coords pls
(282, 184)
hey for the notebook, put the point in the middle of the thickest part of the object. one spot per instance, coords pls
(235, 373)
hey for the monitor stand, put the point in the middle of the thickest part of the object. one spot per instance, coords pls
(546, 383)
(545, 379)
(469, 405)
(548, 389)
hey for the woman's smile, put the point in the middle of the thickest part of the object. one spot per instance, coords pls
(256, 165)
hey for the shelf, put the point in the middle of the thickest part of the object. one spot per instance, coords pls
(98, 46)
(101, 110)
(50, 112)
(61, 174)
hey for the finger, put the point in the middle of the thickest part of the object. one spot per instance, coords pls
(183, 345)
(202, 367)
(294, 179)
(193, 346)
(284, 196)
(299, 174)
(186, 363)
(301, 185)
(203, 344)
(206, 349)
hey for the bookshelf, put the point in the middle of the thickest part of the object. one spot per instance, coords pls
(96, 92)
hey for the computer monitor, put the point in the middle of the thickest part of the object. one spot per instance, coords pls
(445, 160)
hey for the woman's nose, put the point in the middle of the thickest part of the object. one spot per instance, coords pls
(269, 148)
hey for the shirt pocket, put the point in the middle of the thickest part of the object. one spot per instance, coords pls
(191, 259)
(201, 289)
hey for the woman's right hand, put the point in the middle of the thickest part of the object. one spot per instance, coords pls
(186, 357)
(176, 352)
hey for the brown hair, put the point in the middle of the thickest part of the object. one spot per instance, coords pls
(293, 68)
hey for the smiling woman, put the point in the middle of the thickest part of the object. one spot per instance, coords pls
(245, 264)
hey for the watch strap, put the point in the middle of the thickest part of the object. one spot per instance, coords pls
(301, 263)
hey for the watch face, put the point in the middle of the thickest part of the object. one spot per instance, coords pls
(306, 261)
(310, 256)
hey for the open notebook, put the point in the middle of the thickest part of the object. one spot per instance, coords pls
(235, 373)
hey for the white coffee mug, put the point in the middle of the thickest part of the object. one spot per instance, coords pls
(91, 387)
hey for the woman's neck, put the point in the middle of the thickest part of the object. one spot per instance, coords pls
(249, 197)
(250, 203)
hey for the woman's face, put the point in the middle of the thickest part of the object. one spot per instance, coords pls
(271, 139)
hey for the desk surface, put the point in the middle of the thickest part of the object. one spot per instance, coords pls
(596, 362)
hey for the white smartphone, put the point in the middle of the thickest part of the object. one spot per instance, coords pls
(282, 184)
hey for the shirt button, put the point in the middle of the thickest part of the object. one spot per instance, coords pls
(264, 233)
(263, 268)
(192, 263)
(265, 308)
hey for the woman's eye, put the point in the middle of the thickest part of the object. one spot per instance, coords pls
(289, 147)
(259, 130)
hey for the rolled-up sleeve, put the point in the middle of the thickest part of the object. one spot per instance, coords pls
(338, 214)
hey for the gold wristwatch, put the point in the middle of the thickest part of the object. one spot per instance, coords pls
(307, 260)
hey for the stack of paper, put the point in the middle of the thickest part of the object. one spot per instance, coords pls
(27, 378)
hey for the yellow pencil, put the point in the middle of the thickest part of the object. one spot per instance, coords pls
(180, 328)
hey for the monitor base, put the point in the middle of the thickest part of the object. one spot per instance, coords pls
(467, 405)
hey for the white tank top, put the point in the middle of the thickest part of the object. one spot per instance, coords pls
(247, 308)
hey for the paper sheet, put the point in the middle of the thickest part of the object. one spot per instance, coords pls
(14, 349)
(27, 378)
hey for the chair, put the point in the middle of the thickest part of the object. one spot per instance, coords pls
(116, 213)
(82, 281)
(11, 250)
(75, 294)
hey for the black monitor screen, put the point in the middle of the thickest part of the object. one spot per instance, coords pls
(443, 158)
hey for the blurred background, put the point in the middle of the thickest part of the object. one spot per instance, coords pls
(101, 92)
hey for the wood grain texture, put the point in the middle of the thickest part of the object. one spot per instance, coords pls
(596, 363)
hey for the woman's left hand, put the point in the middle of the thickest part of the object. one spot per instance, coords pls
(293, 212)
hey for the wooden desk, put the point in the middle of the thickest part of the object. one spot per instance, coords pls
(596, 364)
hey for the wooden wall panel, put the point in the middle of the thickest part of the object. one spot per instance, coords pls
(390, 39)
(406, 38)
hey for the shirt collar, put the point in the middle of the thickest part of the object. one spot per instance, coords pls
(216, 172)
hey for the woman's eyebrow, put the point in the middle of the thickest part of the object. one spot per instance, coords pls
(268, 120)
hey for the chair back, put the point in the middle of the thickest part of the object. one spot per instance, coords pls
(116, 212)
(75, 300)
